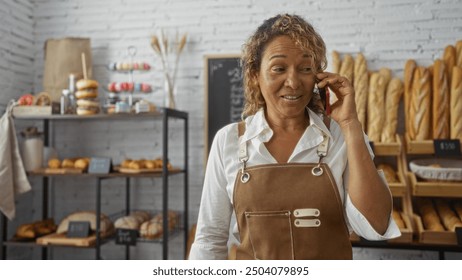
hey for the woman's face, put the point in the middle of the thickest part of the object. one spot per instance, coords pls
(286, 78)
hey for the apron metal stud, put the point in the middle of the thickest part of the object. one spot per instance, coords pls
(245, 177)
(317, 171)
(297, 223)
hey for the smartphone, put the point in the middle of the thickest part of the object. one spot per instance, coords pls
(324, 95)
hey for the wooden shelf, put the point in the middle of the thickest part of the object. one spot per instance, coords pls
(434, 237)
(388, 149)
(422, 147)
(435, 189)
(110, 175)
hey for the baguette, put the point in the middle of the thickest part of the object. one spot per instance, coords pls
(459, 53)
(430, 218)
(409, 69)
(440, 102)
(375, 107)
(456, 104)
(398, 220)
(420, 110)
(449, 58)
(336, 62)
(392, 99)
(347, 68)
(386, 74)
(449, 218)
(361, 81)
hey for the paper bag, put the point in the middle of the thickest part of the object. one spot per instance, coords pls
(64, 57)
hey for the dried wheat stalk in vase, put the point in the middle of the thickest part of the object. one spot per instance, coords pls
(392, 99)
(361, 85)
(420, 110)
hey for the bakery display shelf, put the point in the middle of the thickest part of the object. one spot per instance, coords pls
(398, 189)
(33, 243)
(419, 147)
(388, 149)
(157, 173)
(434, 189)
(434, 237)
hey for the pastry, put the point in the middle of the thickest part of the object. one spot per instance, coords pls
(389, 172)
(336, 62)
(347, 68)
(106, 226)
(361, 86)
(82, 163)
(392, 99)
(87, 107)
(54, 163)
(127, 222)
(449, 218)
(455, 104)
(375, 107)
(36, 229)
(430, 218)
(68, 163)
(449, 57)
(420, 107)
(409, 69)
(459, 53)
(440, 117)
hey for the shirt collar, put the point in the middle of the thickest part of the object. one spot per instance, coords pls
(257, 126)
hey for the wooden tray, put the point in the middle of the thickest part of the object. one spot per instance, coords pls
(144, 170)
(434, 237)
(388, 149)
(437, 189)
(60, 171)
(419, 147)
(61, 239)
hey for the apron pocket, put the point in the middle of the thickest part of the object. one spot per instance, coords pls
(270, 234)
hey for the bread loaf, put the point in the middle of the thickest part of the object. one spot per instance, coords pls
(440, 118)
(361, 86)
(127, 222)
(36, 229)
(389, 172)
(456, 104)
(375, 107)
(392, 99)
(409, 69)
(449, 218)
(398, 219)
(106, 226)
(336, 62)
(430, 218)
(458, 209)
(449, 58)
(141, 216)
(420, 110)
(151, 229)
(459, 53)
(347, 68)
(386, 74)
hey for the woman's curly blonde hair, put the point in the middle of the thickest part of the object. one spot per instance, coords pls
(303, 35)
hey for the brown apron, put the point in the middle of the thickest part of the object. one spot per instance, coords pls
(289, 211)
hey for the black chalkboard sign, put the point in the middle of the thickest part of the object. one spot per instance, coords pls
(100, 165)
(78, 229)
(224, 98)
(126, 237)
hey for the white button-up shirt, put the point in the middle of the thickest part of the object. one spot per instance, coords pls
(216, 214)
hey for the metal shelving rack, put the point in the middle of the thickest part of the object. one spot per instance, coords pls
(164, 114)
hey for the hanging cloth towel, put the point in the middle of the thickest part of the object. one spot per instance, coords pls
(13, 178)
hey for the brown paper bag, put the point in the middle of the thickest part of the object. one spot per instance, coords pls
(64, 57)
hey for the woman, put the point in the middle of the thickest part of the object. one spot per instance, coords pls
(296, 180)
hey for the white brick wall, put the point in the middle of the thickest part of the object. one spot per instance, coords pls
(387, 32)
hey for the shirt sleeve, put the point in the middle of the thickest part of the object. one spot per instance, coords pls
(215, 210)
(356, 219)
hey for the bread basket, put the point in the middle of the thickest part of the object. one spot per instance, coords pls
(437, 169)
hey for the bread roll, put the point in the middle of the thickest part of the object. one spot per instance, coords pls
(409, 69)
(336, 62)
(389, 172)
(361, 85)
(68, 163)
(440, 118)
(392, 99)
(127, 222)
(151, 229)
(347, 68)
(82, 163)
(106, 226)
(420, 110)
(398, 219)
(54, 163)
(449, 58)
(375, 107)
(456, 104)
(36, 229)
(430, 218)
(449, 218)
(459, 53)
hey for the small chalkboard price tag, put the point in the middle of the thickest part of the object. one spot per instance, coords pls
(100, 165)
(126, 237)
(447, 147)
(78, 229)
(459, 235)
